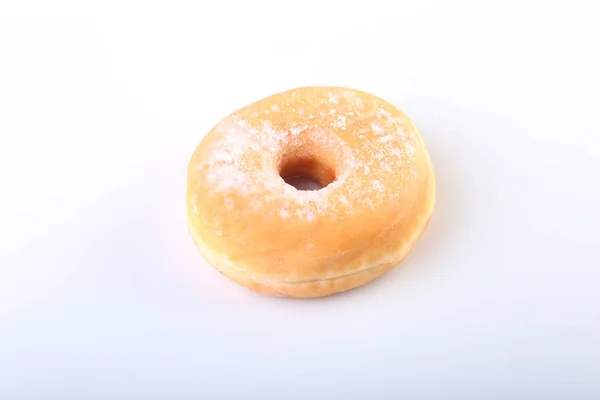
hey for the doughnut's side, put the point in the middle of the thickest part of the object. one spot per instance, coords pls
(324, 287)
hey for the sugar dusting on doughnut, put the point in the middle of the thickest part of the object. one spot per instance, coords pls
(241, 134)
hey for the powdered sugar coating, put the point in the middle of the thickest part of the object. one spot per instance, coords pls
(370, 145)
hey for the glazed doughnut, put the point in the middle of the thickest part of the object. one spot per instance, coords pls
(377, 198)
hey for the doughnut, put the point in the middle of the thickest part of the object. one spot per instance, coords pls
(376, 200)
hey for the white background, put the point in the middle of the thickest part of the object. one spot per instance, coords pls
(104, 296)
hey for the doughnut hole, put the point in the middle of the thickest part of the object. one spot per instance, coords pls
(307, 167)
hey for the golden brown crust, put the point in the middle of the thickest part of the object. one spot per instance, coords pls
(275, 240)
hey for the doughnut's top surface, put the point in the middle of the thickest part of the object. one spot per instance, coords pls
(377, 198)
